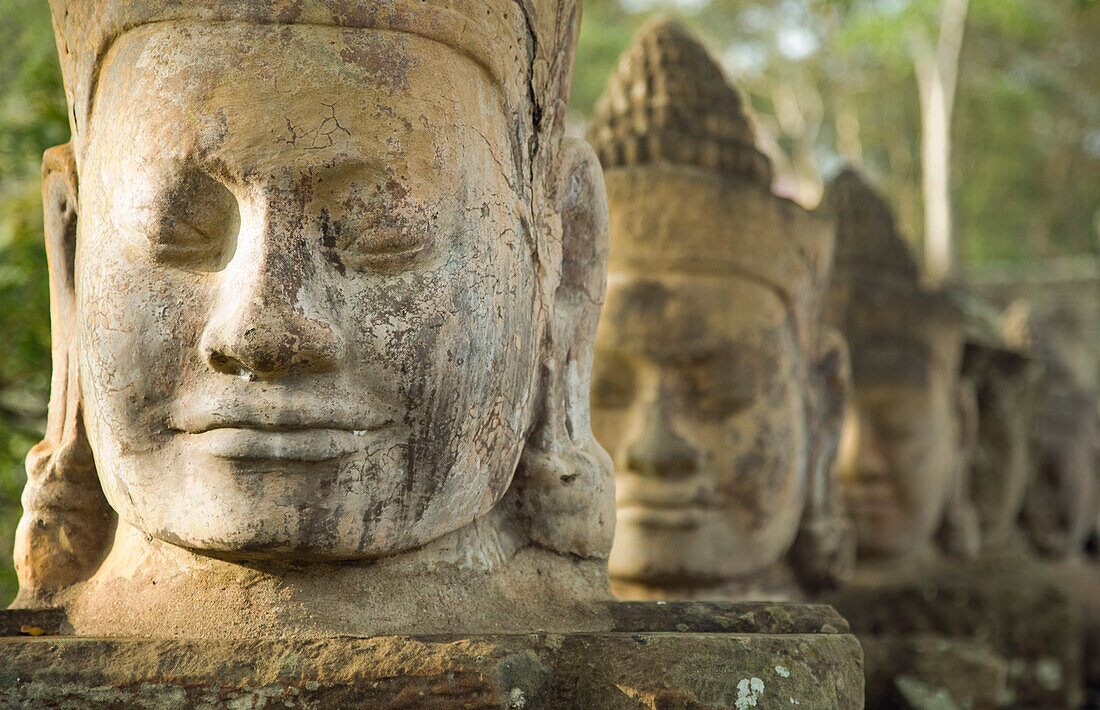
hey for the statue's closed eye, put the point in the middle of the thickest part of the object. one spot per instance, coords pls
(193, 225)
(383, 226)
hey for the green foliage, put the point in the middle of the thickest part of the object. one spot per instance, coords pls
(1026, 130)
(32, 118)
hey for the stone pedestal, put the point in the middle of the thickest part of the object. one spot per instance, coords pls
(674, 655)
(1030, 623)
(919, 672)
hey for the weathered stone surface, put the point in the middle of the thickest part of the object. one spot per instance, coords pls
(325, 279)
(1017, 611)
(927, 672)
(674, 656)
(907, 441)
(715, 389)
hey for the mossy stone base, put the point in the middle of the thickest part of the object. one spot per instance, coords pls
(657, 656)
(1027, 621)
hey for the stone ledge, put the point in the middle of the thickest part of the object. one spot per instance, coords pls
(783, 665)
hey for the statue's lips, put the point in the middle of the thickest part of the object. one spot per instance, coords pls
(649, 501)
(687, 516)
(266, 443)
(870, 497)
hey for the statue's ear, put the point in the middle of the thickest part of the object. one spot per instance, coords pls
(960, 532)
(966, 413)
(564, 487)
(59, 204)
(66, 521)
(824, 553)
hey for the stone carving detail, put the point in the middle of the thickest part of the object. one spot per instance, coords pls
(1006, 381)
(909, 442)
(668, 101)
(1061, 504)
(909, 435)
(325, 278)
(715, 389)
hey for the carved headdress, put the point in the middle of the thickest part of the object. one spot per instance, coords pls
(670, 126)
(668, 101)
(527, 47)
(689, 191)
(893, 324)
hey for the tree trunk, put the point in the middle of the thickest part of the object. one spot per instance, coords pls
(937, 70)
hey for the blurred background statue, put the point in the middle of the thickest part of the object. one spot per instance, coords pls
(932, 403)
(716, 390)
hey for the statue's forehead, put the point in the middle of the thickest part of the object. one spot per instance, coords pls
(322, 92)
(677, 316)
(193, 58)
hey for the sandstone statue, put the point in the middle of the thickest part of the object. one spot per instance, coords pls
(1006, 382)
(715, 389)
(325, 278)
(907, 440)
(1063, 498)
(1060, 508)
(927, 611)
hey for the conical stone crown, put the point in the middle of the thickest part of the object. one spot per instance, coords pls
(892, 323)
(867, 239)
(667, 100)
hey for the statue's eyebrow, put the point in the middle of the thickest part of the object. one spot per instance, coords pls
(347, 166)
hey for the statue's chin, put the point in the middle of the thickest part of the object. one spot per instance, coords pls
(706, 554)
(480, 544)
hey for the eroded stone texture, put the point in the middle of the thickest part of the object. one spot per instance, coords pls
(1006, 381)
(719, 656)
(907, 441)
(915, 672)
(905, 454)
(715, 389)
(325, 278)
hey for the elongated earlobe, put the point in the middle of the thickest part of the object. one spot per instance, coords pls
(66, 523)
(824, 554)
(564, 491)
(960, 533)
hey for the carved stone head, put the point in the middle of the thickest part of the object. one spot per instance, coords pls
(907, 437)
(324, 275)
(1061, 503)
(1006, 382)
(710, 363)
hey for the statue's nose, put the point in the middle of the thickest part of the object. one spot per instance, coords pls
(267, 341)
(860, 456)
(657, 449)
(272, 318)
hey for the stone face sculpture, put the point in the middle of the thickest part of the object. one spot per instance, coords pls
(1061, 505)
(325, 278)
(325, 281)
(1006, 381)
(714, 389)
(1063, 497)
(907, 439)
(907, 446)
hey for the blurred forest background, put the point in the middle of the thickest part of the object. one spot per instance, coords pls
(866, 82)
